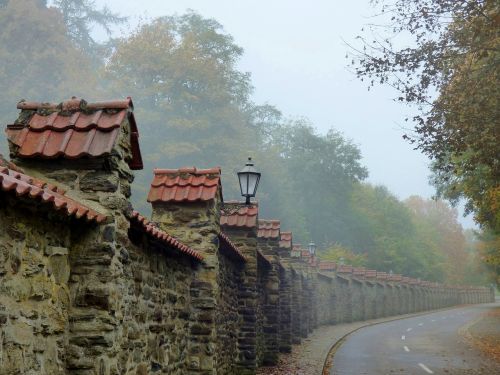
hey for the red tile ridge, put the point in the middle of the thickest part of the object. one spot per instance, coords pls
(286, 239)
(234, 201)
(8, 164)
(190, 170)
(238, 214)
(382, 275)
(273, 222)
(184, 184)
(33, 188)
(225, 239)
(269, 228)
(73, 129)
(345, 268)
(166, 238)
(77, 103)
(327, 266)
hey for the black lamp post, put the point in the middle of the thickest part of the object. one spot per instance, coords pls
(312, 248)
(249, 181)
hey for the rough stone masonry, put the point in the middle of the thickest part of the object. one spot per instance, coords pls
(89, 286)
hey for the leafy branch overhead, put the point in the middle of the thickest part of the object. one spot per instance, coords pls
(444, 57)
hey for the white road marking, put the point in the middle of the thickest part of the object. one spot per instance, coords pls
(406, 348)
(420, 324)
(426, 369)
(403, 337)
(409, 329)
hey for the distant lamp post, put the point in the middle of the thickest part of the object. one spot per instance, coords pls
(312, 248)
(249, 181)
(390, 272)
(341, 261)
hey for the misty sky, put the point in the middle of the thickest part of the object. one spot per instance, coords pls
(295, 51)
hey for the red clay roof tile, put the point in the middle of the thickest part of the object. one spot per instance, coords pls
(73, 129)
(164, 237)
(395, 277)
(8, 164)
(382, 275)
(184, 184)
(359, 271)
(29, 187)
(286, 239)
(241, 216)
(327, 266)
(344, 268)
(370, 274)
(269, 229)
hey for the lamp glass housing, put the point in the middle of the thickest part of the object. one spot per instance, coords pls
(312, 248)
(249, 180)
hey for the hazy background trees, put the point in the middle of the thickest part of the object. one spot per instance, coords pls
(194, 107)
(444, 57)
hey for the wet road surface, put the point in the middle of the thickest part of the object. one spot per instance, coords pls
(427, 344)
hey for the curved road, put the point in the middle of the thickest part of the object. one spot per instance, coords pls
(427, 344)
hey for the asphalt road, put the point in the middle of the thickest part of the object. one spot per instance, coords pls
(427, 344)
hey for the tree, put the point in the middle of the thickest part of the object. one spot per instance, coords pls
(313, 175)
(338, 253)
(488, 249)
(479, 272)
(390, 237)
(456, 55)
(440, 223)
(80, 16)
(451, 72)
(191, 100)
(39, 62)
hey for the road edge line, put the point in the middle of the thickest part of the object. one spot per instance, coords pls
(327, 364)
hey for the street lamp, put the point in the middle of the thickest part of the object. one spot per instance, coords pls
(312, 248)
(341, 261)
(249, 181)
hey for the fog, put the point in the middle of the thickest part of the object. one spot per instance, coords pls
(296, 54)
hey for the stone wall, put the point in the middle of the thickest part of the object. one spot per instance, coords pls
(156, 310)
(34, 291)
(269, 290)
(285, 309)
(181, 294)
(228, 320)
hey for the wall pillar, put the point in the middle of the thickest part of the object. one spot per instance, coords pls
(285, 292)
(200, 230)
(239, 222)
